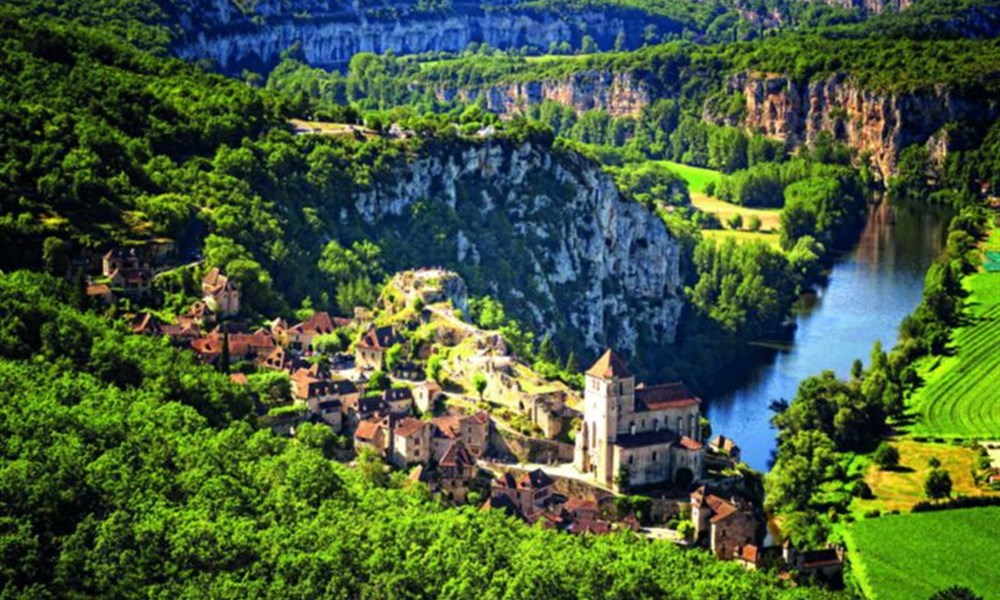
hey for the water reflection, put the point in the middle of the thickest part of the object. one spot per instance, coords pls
(870, 290)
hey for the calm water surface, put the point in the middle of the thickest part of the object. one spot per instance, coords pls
(869, 291)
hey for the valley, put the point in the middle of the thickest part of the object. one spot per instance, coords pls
(396, 299)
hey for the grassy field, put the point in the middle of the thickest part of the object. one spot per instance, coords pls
(773, 239)
(770, 218)
(961, 397)
(914, 555)
(696, 177)
(903, 487)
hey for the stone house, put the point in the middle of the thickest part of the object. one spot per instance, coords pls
(720, 444)
(221, 294)
(410, 443)
(373, 435)
(398, 400)
(126, 272)
(728, 525)
(370, 350)
(327, 411)
(410, 371)
(472, 430)
(457, 470)
(530, 493)
(300, 336)
(826, 564)
(426, 394)
(649, 433)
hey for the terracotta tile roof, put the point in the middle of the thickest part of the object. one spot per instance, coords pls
(666, 395)
(380, 338)
(591, 526)
(98, 289)
(367, 430)
(690, 444)
(409, 426)
(457, 456)
(482, 418)
(609, 365)
(238, 378)
(749, 553)
(447, 426)
(725, 511)
(319, 322)
(578, 503)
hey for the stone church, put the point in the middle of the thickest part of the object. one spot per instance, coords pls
(645, 434)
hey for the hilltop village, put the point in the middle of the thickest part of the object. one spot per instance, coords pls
(415, 388)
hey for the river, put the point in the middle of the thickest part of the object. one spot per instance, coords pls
(869, 291)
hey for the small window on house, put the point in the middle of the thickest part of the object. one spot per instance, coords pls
(654, 456)
(631, 460)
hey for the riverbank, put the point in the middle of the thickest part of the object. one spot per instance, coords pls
(960, 395)
(849, 313)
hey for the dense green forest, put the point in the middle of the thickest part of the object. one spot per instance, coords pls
(128, 470)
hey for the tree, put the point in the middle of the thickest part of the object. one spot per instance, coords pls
(479, 382)
(55, 256)
(378, 381)
(735, 221)
(273, 387)
(620, 41)
(754, 223)
(934, 462)
(547, 350)
(857, 369)
(572, 366)
(886, 456)
(588, 45)
(937, 485)
(955, 592)
(623, 478)
(224, 355)
(435, 368)
(685, 529)
(393, 356)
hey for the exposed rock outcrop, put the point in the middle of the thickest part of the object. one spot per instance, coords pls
(881, 123)
(546, 232)
(330, 33)
(619, 94)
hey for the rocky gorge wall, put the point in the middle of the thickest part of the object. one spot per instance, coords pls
(330, 34)
(621, 94)
(546, 232)
(881, 123)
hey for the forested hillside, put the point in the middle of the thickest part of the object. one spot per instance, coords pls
(127, 470)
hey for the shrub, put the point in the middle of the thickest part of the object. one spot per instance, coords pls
(886, 456)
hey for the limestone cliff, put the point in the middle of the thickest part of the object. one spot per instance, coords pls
(545, 231)
(330, 33)
(619, 94)
(881, 123)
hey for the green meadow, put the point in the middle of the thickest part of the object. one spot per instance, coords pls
(913, 555)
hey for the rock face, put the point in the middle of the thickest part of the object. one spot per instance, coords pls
(619, 94)
(545, 231)
(872, 7)
(881, 123)
(330, 33)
